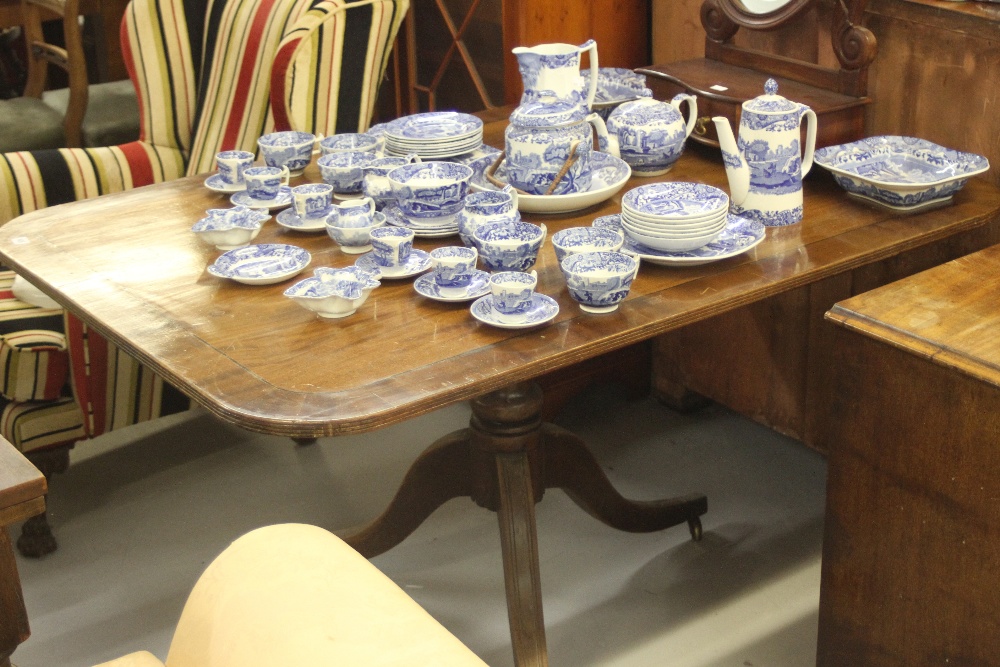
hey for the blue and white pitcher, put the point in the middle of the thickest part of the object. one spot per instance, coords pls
(766, 166)
(553, 71)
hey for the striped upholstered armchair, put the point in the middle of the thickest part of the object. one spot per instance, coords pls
(211, 75)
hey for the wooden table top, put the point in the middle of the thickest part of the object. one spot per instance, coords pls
(22, 486)
(129, 265)
(949, 314)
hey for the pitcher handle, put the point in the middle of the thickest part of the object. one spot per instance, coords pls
(607, 142)
(692, 103)
(810, 147)
(591, 46)
(370, 203)
(512, 191)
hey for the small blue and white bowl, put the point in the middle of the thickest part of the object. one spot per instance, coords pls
(229, 228)
(349, 142)
(599, 281)
(353, 240)
(290, 149)
(509, 246)
(334, 293)
(345, 171)
(575, 240)
(430, 189)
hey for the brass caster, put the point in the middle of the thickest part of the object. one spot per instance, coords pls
(694, 525)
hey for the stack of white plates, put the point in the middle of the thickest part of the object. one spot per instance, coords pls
(427, 228)
(674, 216)
(433, 135)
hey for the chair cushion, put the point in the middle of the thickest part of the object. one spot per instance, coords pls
(36, 425)
(34, 365)
(16, 315)
(112, 116)
(28, 123)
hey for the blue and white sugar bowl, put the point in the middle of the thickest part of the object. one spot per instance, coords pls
(599, 281)
(651, 133)
(509, 246)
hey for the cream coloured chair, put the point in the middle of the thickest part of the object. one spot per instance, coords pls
(293, 595)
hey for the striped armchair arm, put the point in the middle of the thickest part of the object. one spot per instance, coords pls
(338, 52)
(31, 180)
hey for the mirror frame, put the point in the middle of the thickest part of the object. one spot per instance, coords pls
(740, 15)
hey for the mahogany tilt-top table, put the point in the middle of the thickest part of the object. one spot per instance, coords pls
(129, 265)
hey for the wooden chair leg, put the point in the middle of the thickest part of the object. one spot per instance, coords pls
(36, 538)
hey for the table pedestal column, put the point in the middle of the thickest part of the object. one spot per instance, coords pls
(504, 461)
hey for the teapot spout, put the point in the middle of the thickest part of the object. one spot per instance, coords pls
(737, 169)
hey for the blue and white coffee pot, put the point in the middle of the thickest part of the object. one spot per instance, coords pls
(766, 165)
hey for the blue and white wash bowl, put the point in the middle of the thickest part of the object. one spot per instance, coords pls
(509, 246)
(345, 171)
(651, 133)
(575, 240)
(290, 149)
(430, 189)
(334, 293)
(229, 228)
(599, 281)
(375, 183)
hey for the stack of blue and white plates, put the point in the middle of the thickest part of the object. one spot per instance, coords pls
(427, 228)
(433, 135)
(674, 216)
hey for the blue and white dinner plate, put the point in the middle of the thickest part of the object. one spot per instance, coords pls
(740, 235)
(675, 199)
(426, 285)
(263, 264)
(418, 262)
(283, 199)
(432, 125)
(215, 183)
(289, 219)
(543, 309)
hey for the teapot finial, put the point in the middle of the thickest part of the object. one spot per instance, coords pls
(771, 87)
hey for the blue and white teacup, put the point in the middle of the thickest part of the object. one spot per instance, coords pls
(291, 149)
(512, 292)
(232, 164)
(391, 246)
(599, 281)
(454, 266)
(345, 170)
(509, 246)
(264, 183)
(348, 142)
(575, 240)
(312, 200)
(430, 189)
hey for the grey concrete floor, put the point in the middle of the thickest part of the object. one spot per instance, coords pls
(141, 512)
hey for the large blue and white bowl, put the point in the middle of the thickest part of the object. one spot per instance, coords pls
(334, 293)
(349, 142)
(345, 170)
(599, 281)
(576, 240)
(290, 149)
(430, 189)
(228, 228)
(509, 246)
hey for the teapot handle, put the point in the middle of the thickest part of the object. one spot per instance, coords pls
(692, 102)
(591, 46)
(810, 147)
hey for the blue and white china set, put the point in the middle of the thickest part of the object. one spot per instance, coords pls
(429, 175)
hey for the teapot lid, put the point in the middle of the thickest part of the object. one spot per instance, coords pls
(543, 113)
(770, 101)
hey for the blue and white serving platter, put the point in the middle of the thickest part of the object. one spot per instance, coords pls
(418, 262)
(263, 264)
(289, 219)
(427, 286)
(543, 309)
(900, 173)
(609, 176)
(740, 235)
(675, 199)
(433, 125)
(426, 228)
(283, 199)
(216, 184)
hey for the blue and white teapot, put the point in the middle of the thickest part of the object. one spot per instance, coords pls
(766, 165)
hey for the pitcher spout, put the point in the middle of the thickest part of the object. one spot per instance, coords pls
(737, 170)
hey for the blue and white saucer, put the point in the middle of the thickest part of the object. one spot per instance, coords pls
(289, 219)
(263, 264)
(418, 262)
(215, 183)
(283, 199)
(543, 309)
(426, 285)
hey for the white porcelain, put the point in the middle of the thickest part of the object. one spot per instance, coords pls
(433, 135)
(375, 183)
(900, 173)
(290, 149)
(673, 244)
(334, 293)
(487, 206)
(509, 246)
(231, 165)
(216, 184)
(599, 281)
(353, 240)
(430, 189)
(263, 264)
(312, 200)
(668, 229)
(574, 240)
(348, 142)
(553, 70)
(283, 199)
(512, 292)
(291, 220)
(427, 285)
(543, 310)
(615, 86)
(426, 228)
(228, 228)
(675, 200)
(454, 266)
(767, 165)
(416, 262)
(265, 183)
(345, 170)
(391, 246)
(651, 133)
(353, 213)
